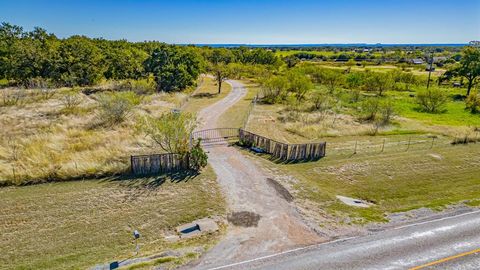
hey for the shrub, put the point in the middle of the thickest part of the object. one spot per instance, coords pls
(171, 131)
(472, 103)
(198, 157)
(13, 97)
(354, 80)
(369, 108)
(116, 107)
(431, 100)
(298, 84)
(71, 99)
(321, 102)
(328, 77)
(274, 89)
(387, 111)
(140, 86)
(378, 111)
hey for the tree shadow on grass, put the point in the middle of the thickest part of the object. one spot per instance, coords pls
(139, 186)
(205, 95)
(152, 182)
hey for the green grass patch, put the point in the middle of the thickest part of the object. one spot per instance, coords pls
(395, 182)
(453, 115)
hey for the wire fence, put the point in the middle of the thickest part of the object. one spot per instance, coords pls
(388, 144)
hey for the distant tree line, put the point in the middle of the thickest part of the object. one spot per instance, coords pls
(28, 58)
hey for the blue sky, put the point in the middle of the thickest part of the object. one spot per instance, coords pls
(254, 22)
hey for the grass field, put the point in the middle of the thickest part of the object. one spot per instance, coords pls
(75, 225)
(399, 169)
(43, 141)
(395, 181)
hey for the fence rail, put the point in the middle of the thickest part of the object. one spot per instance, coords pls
(159, 163)
(283, 151)
(215, 135)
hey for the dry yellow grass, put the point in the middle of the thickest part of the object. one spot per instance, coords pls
(43, 141)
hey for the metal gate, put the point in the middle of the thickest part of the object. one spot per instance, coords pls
(215, 135)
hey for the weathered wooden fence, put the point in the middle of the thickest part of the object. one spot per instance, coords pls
(283, 151)
(158, 163)
(164, 163)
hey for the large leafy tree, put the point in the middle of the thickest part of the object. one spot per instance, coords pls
(33, 55)
(79, 62)
(218, 65)
(9, 35)
(468, 68)
(123, 61)
(174, 68)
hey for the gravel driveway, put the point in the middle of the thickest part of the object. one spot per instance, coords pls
(250, 199)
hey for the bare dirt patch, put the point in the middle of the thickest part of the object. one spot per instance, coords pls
(244, 219)
(281, 190)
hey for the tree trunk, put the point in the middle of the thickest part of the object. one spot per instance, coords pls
(219, 85)
(469, 87)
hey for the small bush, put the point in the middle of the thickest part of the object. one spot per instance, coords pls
(274, 89)
(116, 107)
(71, 100)
(198, 157)
(369, 108)
(387, 112)
(13, 97)
(432, 100)
(140, 87)
(472, 103)
(321, 102)
(171, 131)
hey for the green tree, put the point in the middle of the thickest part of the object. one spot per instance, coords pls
(298, 84)
(468, 67)
(174, 68)
(274, 89)
(378, 82)
(123, 61)
(9, 34)
(218, 65)
(79, 62)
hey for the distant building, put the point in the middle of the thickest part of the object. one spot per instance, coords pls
(417, 61)
(439, 59)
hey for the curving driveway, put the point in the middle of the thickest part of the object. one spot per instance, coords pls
(280, 226)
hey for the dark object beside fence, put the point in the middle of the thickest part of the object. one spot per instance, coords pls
(159, 163)
(283, 151)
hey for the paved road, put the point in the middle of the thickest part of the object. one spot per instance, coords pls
(244, 183)
(448, 243)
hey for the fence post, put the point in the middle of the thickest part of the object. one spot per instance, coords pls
(409, 139)
(131, 164)
(433, 140)
(383, 145)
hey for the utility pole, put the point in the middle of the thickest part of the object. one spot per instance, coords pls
(430, 69)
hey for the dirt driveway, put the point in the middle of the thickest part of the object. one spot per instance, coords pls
(265, 222)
